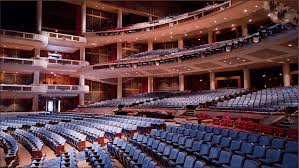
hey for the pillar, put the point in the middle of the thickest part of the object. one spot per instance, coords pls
(181, 83)
(81, 99)
(83, 16)
(150, 46)
(82, 80)
(82, 54)
(119, 88)
(35, 103)
(119, 51)
(36, 75)
(39, 14)
(119, 18)
(181, 43)
(150, 84)
(210, 37)
(36, 52)
(286, 74)
(150, 18)
(244, 30)
(246, 76)
(212, 81)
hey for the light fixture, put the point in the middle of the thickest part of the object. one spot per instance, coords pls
(200, 80)
(216, 28)
(290, 45)
(155, 38)
(170, 32)
(250, 20)
(52, 73)
(245, 10)
(288, 59)
(256, 6)
(186, 34)
(244, 60)
(215, 21)
(225, 18)
(264, 76)
(224, 61)
(170, 36)
(280, 74)
(198, 39)
(269, 14)
(233, 25)
(157, 63)
(189, 69)
(200, 32)
(238, 58)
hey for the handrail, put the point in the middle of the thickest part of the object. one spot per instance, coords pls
(14, 60)
(17, 33)
(67, 61)
(147, 25)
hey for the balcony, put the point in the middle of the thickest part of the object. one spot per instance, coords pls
(67, 62)
(66, 40)
(24, 64)
(22, 38)
(44, 88)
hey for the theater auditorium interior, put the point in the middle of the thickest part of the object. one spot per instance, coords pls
(149, 84)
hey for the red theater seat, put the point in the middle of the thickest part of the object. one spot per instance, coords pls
(293, 133)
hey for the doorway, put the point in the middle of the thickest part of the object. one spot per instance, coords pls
(53, 105)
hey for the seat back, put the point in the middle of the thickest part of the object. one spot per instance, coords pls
(236, 161)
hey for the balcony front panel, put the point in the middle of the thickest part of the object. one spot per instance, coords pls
(22, 38)
(59, 39)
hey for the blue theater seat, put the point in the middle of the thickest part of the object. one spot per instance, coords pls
(189, 162)
(258, 152)
(224, 132)
(289, 160)
(272, 156)
(291, 147)
(278, 143)
(235, 145)
(265, 140)
(236, 162)
(243, 136)
(179, 160)
(214, 153)
(246, 148)
(187, 144)
(224, 158)
(195, 147)
(225, 142)
(233, 134)
(199, 164)
(203, 152)
(251, 164)
(253, 138)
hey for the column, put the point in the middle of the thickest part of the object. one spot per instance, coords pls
(35, 103)
(119, 18)
(244, 30)
(36, 75)
(181, 82)
(82, 54)
(119, 88)
(181, 43)
(212, 81)
(150, 46)
(81, 95)
(119, 51)
(246, 76)
(150, 18)
(210, 37)
(36, 52)
(286, 74)
(150, 84)
(83, 16)
(39, 14)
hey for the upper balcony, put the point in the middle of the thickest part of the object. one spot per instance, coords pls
(273, 45)
(10, 37)
(44, 88)
(12, 64)
(173, 28)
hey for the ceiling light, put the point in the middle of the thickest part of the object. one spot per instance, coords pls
(170, 36)
(233, 25)
(238, 58)
(51, 72)
(155, 38)
(225, 18)
(269, 14)
(288, 59)
(290, 45)
(198, 39)
(224, 61)
(243, 60)
(230, 63)
(200, 32)
(170, 32)
(216, 28)
(250, 20)
(173, 69)
(245, 10)
(189, 69)
(264, 76)
(215, 21)
(280, 74)
(256, 6)
(186, 34)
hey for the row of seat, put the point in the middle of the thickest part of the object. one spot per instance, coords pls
(91, 133)
(10, 146)
(51, 139)
(97, 157)
(152, 120)
(74, 138)
(29, 141)
(129, 155)
(110, 131)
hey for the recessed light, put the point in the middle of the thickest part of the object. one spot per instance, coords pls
(230, 63)
(170, 36)
(215, 21)
(186, 34)
(200, 80)
(233, 25)
(264, 76)
(198, 39)
(155, 38)
(216, 28)
(256, 6)
(269, 14)
(288, 59)
(188, 69)
(280, 74)
(200, 31)
(52, 72)
(245, 10)
(173, 69)
(243, 60)
(250, 20)
(224, 61)
(238, 58)
(290, 45)
(170, 32)
(225, 18)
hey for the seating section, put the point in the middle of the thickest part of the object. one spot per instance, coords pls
(266, 100)
(10, 147)
(51, 139)
(132, 100)
(194, 99)
(29, 141)
(38, 162)
(97, 157)
(150, 54)
(74, 138)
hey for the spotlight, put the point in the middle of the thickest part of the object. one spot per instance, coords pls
(112, 67)
(134, 65)
(157, 63)
(256, 38)
(228, 47)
